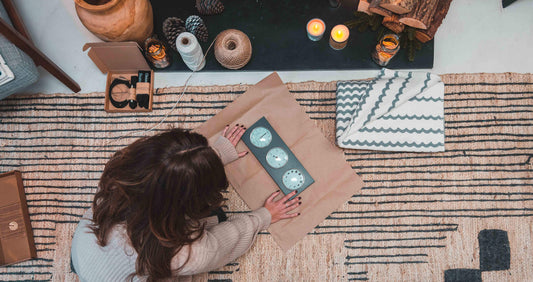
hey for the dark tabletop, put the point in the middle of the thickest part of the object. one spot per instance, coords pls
(277, 30)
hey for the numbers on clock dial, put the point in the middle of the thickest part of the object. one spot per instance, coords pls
(293, 179)
(277, 157)
(260, 137)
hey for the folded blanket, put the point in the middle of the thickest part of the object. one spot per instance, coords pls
(396, 111)
(6, 75)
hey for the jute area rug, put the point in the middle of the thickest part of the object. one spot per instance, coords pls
(466, 212)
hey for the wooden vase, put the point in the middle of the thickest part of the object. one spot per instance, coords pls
(117, 20)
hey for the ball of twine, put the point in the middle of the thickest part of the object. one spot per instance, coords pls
(233, 49)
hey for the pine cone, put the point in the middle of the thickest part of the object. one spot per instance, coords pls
(196, 26)
(209, 7)
(172, 27)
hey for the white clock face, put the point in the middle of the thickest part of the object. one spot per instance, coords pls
(277, 157)
(260, 137)
(293, 179)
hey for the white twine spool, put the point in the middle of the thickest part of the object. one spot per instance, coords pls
(190, 51)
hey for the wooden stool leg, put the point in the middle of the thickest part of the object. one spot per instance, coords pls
(37, 56)
(15, 18)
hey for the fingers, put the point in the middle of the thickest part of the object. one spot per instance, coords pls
(272, 196)
(225, 130)
(289, 205)
(290, 215)
(288, 196)
(292, 203)
(236, 136)
(280, 209)
(232, 131)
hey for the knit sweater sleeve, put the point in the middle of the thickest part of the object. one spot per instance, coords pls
(226, 151)
(221, 244)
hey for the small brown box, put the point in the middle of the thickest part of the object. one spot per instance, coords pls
(16, 235)
(120, 59)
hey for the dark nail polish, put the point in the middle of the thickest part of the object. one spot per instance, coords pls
(299, 203)
(237, 124)
(242, 125)
(227, 124)
(298, 213)
(299, 198)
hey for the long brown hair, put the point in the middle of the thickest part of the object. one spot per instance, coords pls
(159, 187)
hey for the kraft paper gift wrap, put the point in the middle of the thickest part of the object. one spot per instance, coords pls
(335, 181)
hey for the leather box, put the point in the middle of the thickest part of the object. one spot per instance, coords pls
(16, 235)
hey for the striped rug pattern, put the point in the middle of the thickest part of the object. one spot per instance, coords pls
(419, 215)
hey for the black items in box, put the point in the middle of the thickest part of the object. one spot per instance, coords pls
(130, 81)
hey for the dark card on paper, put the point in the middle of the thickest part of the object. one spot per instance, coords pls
(276, 157)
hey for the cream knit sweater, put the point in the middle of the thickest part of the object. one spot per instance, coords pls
(221, 243)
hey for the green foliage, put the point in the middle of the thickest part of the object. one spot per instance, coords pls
(363, 21)
(408, 40)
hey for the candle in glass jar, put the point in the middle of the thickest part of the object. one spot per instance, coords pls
(315, 29)
(156, 53)
(386, 48)
(339, 37)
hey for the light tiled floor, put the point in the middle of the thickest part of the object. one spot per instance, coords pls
(476, 36)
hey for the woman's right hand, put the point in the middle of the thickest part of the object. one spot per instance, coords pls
(234, 136)
(280, 209)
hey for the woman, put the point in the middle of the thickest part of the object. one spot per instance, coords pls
(150, 218)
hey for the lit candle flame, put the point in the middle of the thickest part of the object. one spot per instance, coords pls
(339, 37)
(315, 29)
(340, 33)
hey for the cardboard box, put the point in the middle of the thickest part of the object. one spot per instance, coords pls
(16, 235)
(120, 60)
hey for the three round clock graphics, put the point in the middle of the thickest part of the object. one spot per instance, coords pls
(276, 157)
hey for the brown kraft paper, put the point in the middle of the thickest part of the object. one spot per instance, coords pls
(335, 181)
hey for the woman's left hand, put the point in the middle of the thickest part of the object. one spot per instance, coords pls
(234, 135)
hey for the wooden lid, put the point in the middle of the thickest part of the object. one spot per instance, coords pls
(117, 56)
